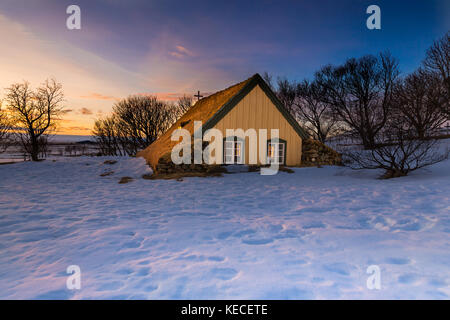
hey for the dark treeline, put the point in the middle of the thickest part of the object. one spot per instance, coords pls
(396, 119)
(135, 123)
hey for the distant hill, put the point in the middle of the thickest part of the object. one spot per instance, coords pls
(63, 138)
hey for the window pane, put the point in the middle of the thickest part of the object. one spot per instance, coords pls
(229, 151)
(271, 150)
(281, 147)
(233, 152)
(238, 152)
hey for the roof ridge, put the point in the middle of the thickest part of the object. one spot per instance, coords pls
(233, 85)
(212, 96)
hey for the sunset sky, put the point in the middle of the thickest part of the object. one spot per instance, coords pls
(170, 48)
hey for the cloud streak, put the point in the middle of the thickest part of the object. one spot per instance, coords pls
(181, 52)
(86, 111)
(99, 96)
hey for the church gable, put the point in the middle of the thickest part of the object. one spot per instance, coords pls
(257, 111)
(264, 94)
(251, 102)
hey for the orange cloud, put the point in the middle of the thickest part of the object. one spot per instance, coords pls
(99, 96)
(86, 111)
(181, 52)
(167, 96)
(75, 130)
(173, 96)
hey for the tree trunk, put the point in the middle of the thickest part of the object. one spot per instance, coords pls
(34, 150)
(393, 173)
(421, 134)
(369, 144)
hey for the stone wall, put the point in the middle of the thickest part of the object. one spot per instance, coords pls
(313, 153)
(316, 153)
(166, 166)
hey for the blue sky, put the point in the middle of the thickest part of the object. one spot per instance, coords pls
(173, 47)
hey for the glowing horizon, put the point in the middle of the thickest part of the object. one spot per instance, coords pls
(171, 48)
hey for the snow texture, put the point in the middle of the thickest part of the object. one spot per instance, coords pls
(307, 235)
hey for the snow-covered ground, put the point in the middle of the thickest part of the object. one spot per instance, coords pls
(307, 235)
(57, 147)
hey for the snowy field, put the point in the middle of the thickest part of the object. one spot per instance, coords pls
(307, 235)
(57, 147)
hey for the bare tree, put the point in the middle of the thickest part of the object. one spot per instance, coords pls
(419, 100)
(35, 112)
(107, 137)
(184, 103)
(268, 79)
(438, 57)
(399, 152)
(143, 118)
(360, 93)
(137, 121)
(286, 93)
(5, 130)
(315, 114)
(44, 149)
(437, 60)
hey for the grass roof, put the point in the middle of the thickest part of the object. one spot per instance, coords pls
(202, 111)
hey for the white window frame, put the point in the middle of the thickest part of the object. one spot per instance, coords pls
(231, 146)
(279, 152)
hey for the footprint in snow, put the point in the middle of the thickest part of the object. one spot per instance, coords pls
(216, 258)
(297, 262)
(109, 286)
(224, 235)
(55, 295)
(399, 261)
(244, 232)
(151, 288)
(314, 225)
(438, 283)
(223, 273)
(125, 271)
(132, 244)
(408, 278)
(340, 268)
(192, 257)
(257, 241)
(143, 272)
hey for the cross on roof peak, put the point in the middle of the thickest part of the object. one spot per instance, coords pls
(198, 95)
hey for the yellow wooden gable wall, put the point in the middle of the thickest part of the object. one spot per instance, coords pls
(257, 111)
